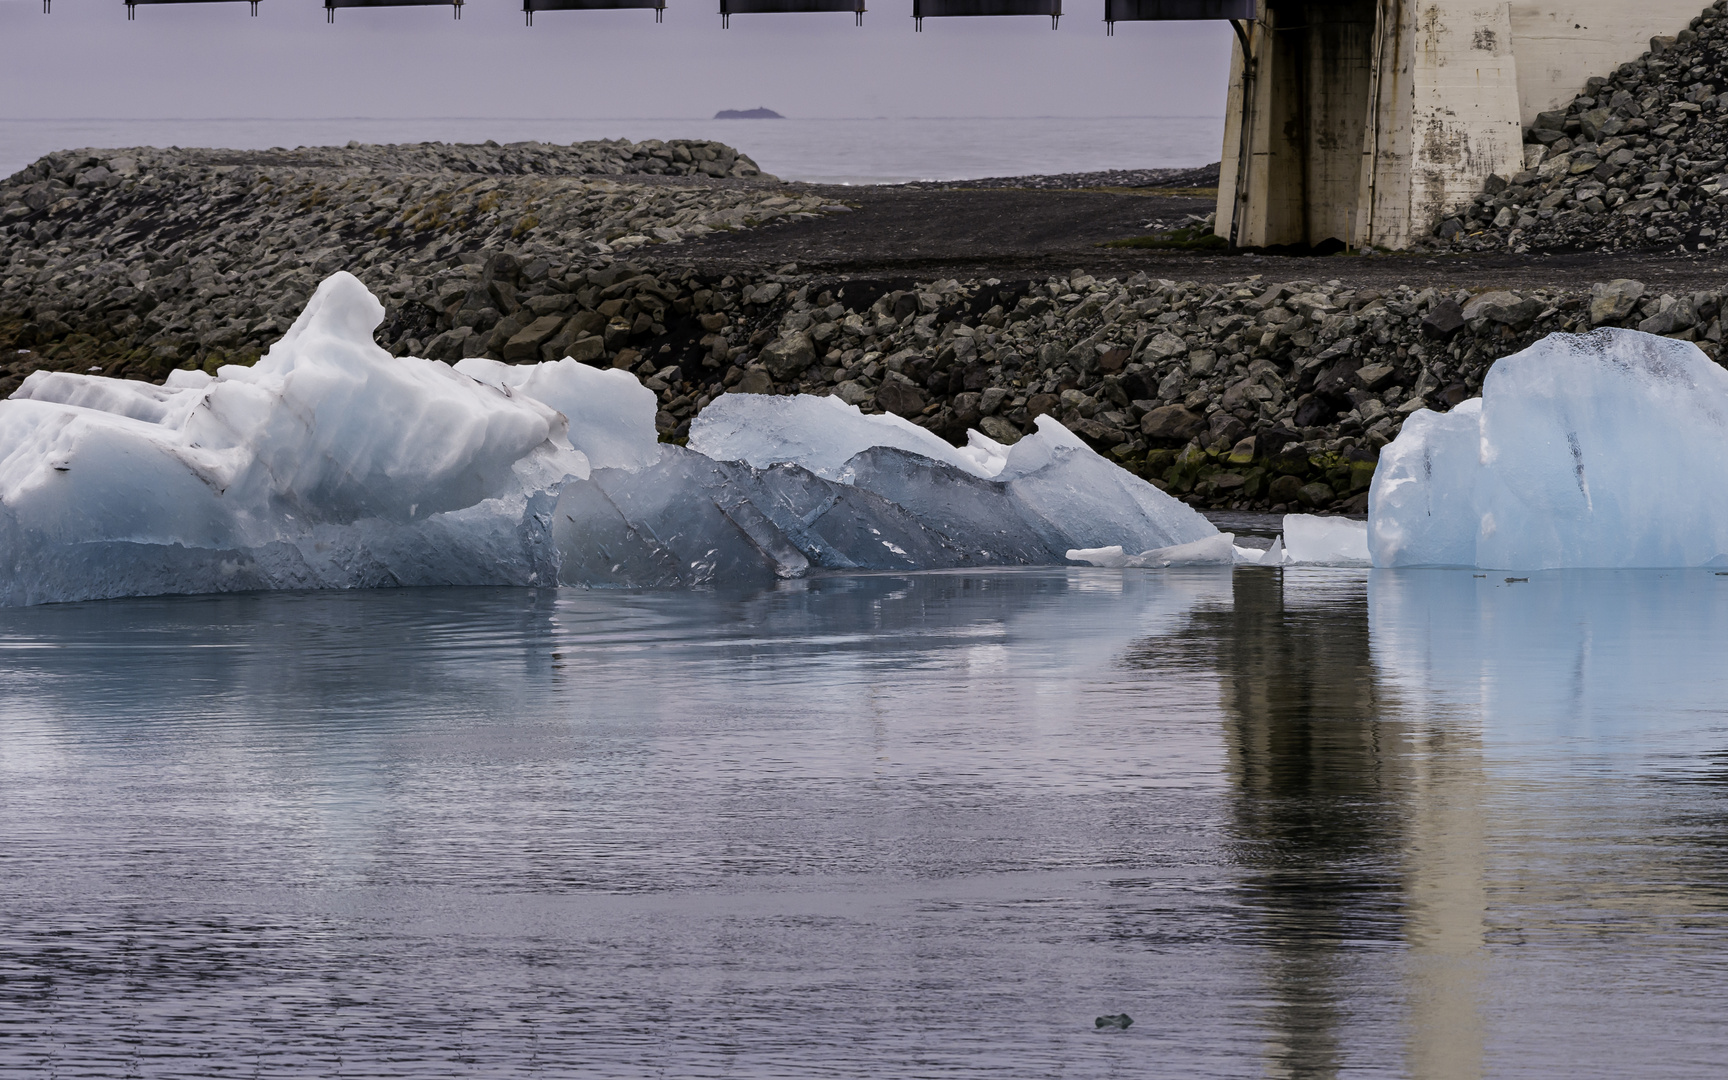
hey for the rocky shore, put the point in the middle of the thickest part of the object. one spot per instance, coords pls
(1638, 160)
(1241, 393)
(1205, 176)
(143, 260)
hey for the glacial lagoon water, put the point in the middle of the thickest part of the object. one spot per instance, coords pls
(1300, 823)
(847, 150)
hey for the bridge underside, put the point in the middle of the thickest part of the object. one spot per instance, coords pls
(1362, 121)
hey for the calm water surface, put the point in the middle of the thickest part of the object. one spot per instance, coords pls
(858, 150)
(1308, 824)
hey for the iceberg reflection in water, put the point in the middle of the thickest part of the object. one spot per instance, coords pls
(1308, 822)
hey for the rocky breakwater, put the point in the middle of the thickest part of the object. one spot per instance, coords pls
(1247, 395)
(140, 261)
(1638, 160)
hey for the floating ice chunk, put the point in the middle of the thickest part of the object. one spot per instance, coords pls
(694, 519)
(611, 413)
(1109, 557)
(1603, 450)
(1274, 555)
(1219, 550)
(1094, 502)
(328, 464)
(1329, 541)
(1026, 504)
(819, 433)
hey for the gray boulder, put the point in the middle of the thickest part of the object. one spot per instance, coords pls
(1614, 300)
(786, 358)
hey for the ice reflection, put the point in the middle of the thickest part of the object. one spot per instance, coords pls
(1298, 823)
(1432, 771)
(1318, 813)
(1549, 718)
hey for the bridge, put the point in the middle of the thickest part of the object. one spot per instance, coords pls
(1350, 123)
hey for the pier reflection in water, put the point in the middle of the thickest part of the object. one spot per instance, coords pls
(1302, 824)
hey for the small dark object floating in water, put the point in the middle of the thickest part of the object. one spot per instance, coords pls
(1478, 575)
(758, 113)
(1119, 1021)
(1510, 580)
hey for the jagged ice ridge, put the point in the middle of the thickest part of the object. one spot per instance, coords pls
(332, 464)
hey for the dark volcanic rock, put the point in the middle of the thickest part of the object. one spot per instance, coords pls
(1244, 394)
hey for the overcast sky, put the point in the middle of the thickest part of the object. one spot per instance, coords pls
(213, 60)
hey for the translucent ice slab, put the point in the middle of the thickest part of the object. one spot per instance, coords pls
(328, 464)
(331, 464)
(1603, 450)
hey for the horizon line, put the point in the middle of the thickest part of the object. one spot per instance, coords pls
(568, 119)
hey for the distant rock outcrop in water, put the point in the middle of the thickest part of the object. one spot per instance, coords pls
(758, 113)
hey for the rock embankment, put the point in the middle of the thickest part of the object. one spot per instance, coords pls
(1249, 395)
(146, 260)
(1246, 394)
(1638, 160)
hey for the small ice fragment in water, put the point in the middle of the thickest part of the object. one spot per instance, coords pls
(1327, 541)
(1219, 550)
(1274, 555)
(1107, 557)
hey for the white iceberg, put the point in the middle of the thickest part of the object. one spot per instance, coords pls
(609, 412)
(1219, 550)
(691, 519)
(328, 464)
(819, 433)
(331, 464)
(1606, 450)
(1325, 541)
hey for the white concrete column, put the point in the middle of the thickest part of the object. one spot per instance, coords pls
(1438, 95)
(1464, 113)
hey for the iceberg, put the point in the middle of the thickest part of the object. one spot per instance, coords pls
(792, 506)
(332, 464)
(1604, 450)
(1325, 541)
(819, 433)
(328, 464)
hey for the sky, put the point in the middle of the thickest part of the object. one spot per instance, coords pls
(214, 60)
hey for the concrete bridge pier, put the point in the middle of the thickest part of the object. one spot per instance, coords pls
(1361, 122)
